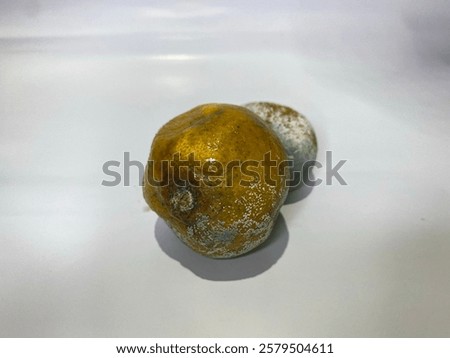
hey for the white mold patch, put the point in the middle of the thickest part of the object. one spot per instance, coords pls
(294, 130)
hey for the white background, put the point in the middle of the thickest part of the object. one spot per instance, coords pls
(82, 82)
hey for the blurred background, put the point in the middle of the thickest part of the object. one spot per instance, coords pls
(82, 82)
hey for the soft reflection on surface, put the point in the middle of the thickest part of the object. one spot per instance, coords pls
(174, 57)
(184, 11)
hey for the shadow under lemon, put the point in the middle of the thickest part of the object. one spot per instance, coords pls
(249, 265)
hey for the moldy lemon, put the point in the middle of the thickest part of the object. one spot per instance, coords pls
(295, 132)
(215, 175)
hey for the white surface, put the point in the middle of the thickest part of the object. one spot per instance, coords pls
(81, 83)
